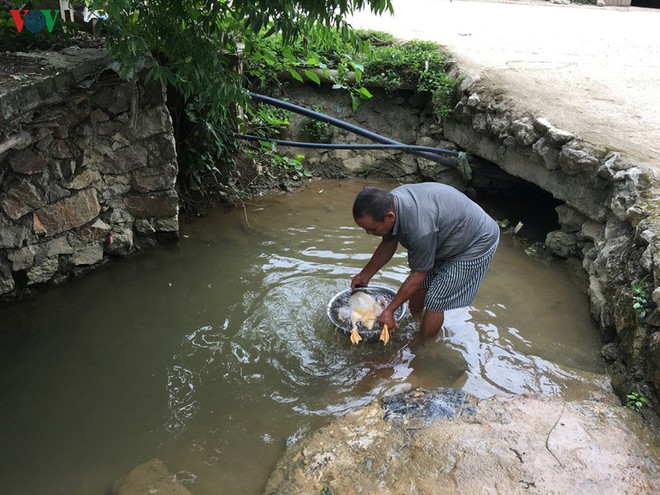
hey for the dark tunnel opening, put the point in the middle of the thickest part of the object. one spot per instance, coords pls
(650, 4)
(509, 198)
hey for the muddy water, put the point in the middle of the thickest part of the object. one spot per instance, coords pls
(215, 354)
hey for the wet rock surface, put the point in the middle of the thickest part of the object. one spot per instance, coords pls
(522, 444)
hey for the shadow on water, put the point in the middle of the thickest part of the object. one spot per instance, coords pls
(214, 355)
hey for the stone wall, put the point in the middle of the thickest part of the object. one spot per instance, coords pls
(610, 222)
(87, 169)
(405, 118)
(610, 218)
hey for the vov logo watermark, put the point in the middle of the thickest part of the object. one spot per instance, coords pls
(35, 21)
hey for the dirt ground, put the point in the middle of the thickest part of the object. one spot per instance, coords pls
(593, 71)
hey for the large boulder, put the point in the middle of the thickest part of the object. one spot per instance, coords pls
(522, 444)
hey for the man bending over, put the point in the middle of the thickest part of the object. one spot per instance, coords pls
(450, 242)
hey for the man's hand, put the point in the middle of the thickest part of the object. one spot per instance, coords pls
(360, 280)
(387, 318)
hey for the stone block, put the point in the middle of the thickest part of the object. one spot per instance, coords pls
(144, 226)
(523, 131)
(636, 214)
(63, 169)
(61, 132)
(6, 280)
(98, 115)
(646, 259)
(557, 137)
(26, 162)
(68, 213)
(57, 246)
(155, 179)
(498, 124)
(119, 216)
(90, 255)
(166, 224)
(22, 259)
(592, 231)
(13, 236)
(575, 161)
(162, 149)
(61, 150)
(484, 146)
(44, 143)
(113, 100)
(109, 128)
(480, 123)
(542, 125)
(625, 191)
(21, 199)
(570, 219)
(85, 179)
(44, 271)
(124, 160)
(57, 192)
(152, 121)
(563, 244)
(548, 154)
(98, 231)
(120, 242)
(474, 101)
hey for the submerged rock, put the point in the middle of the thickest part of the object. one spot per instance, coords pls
(427, 405)
(149, 478)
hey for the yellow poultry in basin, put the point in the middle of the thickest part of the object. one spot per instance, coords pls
(364, 309)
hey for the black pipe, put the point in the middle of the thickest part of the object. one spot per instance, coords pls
(337, 146)
(353, 128)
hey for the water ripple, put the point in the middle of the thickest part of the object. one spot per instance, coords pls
(181, 400)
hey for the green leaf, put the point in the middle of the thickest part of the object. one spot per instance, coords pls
(357, 67)
(295, 75)
(364, 93)
(313, 76)
(358, 76)
(288, 55)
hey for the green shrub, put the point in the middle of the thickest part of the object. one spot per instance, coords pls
(636, 401)
(318, 130)
(642, 301)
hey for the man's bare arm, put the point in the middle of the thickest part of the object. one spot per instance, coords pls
(409, 286)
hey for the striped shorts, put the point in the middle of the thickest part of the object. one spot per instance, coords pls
(454, 284)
